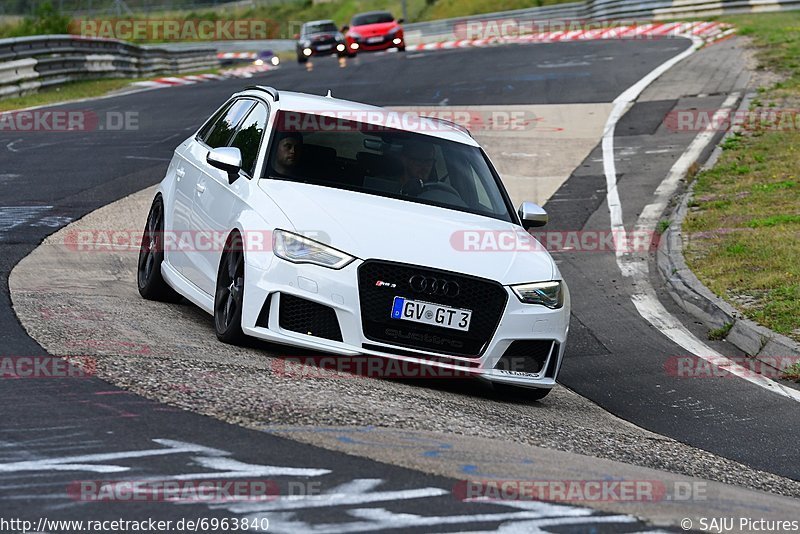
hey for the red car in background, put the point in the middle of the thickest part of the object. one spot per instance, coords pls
(374, 30)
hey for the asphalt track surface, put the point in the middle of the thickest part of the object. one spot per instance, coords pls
(614, 358)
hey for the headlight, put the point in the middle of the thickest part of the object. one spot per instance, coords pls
(548, 294)
(298, 249)
(339, 36)
(354, 35)
(305, 44)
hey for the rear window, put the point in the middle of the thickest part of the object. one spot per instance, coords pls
(386, 162)
(371, 18)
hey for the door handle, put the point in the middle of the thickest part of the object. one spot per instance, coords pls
(201, 188)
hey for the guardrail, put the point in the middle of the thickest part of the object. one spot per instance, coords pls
(603, 10)
(30, 63)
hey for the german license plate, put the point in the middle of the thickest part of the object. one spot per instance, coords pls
(433, 314)
(375, 39)
(325, 47)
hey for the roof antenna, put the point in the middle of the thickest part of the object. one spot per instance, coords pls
(329, 95)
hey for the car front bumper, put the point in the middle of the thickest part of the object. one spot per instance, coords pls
(339, 290)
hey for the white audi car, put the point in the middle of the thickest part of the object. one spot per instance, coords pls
(348, 229)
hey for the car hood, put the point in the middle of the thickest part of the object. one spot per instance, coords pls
(371, 30)
(373, 227)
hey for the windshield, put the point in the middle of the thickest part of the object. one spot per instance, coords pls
(321, 27)
(371, 18)
(386, 162)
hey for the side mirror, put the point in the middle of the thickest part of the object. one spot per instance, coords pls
(226, 159)
(532, 215)
(296, 36)
(401, 21)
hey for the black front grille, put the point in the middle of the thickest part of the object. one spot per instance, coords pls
(485, 298)
(525, 355)
(307, 317)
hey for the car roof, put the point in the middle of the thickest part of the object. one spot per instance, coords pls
(324, 105)
(377, 12)
(316, 22)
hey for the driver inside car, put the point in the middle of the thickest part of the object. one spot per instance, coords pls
(418, 161)
(287, 159)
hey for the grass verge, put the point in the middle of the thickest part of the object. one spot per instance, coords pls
(743, 228)
(289, 15)
(76, 91)
(63, 93)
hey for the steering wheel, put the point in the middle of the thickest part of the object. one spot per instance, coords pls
(440, 186)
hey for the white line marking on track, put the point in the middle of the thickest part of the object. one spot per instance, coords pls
(644, 298)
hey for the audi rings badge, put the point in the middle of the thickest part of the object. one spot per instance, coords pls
(430, 285)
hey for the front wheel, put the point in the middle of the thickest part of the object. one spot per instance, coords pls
(149, 281)
(229, 297)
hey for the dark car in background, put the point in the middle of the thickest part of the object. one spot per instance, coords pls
(319, 38)
(374, 30)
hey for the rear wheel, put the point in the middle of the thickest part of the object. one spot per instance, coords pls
(229, 297)
(149, 281)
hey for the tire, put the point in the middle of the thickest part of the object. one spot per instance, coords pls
(520, 393)
(302, 59)
(229, 297)
(401, 48)
(149, 281)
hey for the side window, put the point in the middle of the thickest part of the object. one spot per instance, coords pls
(249, 137)
(223, 129)
(209, 125)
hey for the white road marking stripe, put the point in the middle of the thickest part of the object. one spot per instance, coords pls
(645, 299)
(14, 216)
